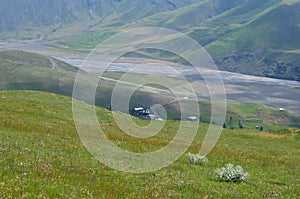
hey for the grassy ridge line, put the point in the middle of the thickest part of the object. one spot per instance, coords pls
(34, 59)
(29, 71)
(42, 156)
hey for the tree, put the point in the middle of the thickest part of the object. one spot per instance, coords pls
(230, 121)
(240, 124)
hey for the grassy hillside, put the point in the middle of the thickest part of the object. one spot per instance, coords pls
(35, 60)
(42, 156)
(23, 70)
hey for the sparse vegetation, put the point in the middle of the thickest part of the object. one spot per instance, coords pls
(231, 173)
(196, 159)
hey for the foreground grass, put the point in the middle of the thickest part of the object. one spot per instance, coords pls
(41, 156)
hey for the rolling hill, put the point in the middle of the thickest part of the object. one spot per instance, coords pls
(29, 71)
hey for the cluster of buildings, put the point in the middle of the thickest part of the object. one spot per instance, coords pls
(145, 113)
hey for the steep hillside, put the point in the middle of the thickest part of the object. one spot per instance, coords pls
(267, 44)
(191, 16)
(34, 13)
(34, 19)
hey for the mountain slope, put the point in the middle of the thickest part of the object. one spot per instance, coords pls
(46, 13)
(246, 36)
(34, 19)
(262, 41)
(191, 16)
(266, 45)
(251, 37)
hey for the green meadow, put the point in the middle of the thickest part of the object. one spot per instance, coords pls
(42, 157)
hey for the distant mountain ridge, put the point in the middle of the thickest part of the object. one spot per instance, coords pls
(247, 36)
(17, 15)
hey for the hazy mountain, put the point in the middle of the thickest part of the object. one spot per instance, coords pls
(248, 36)
(258, 38)
(19, 15)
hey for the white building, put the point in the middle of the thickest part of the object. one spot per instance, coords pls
(193, 119)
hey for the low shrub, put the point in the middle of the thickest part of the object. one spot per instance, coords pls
(231, 173)
(196, 159)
